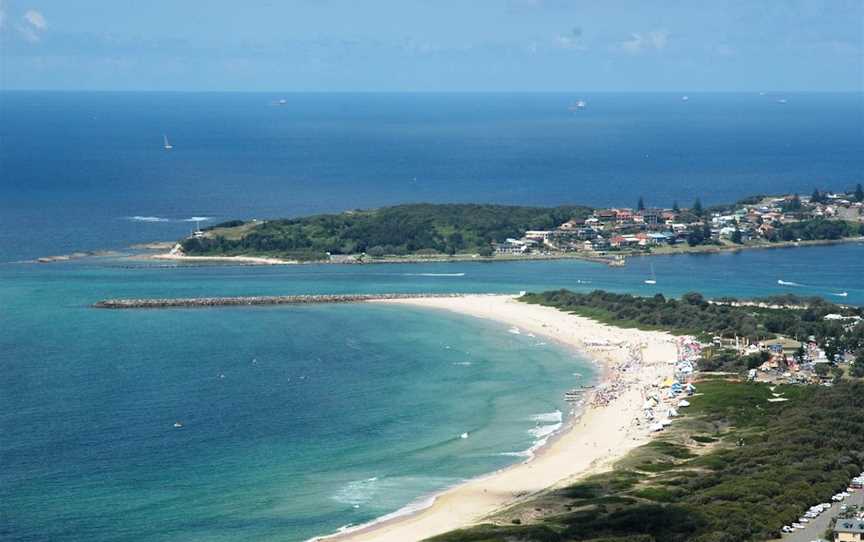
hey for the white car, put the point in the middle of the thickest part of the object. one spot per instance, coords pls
(798, 526)
(787, 529)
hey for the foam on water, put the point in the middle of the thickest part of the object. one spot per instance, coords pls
(146, 218)
(544, 431)
(358, 492)
(548, 417)
(433, 274)
(138, 218)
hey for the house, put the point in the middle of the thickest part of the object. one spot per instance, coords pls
(540, 236)
(651, 216)
(574, 224)
(605, 215)
(659, 239)
(623, 216)
(513, 246)
(849, 530)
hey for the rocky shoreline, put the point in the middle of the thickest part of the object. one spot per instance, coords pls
(156, 303)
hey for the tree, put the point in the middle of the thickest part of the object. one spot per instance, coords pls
(697, 207)
(485, 251)
(706, 232)
(677, 209)
(792, 205)
(817, 196)
(695, 237)
(800, 354)
(859, 193)
(736, 236)
(641, 205)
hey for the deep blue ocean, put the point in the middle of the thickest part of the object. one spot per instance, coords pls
(299, 420)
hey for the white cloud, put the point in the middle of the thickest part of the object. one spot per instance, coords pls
(36, 19)
(655, 40)
(33, 26)
(570, 42)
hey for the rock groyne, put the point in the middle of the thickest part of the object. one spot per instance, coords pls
(189, 302)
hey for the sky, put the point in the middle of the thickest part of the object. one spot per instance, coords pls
(433, 45)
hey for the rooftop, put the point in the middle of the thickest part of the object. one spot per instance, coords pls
(850, 526)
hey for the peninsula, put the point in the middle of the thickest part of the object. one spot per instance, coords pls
(446, 232)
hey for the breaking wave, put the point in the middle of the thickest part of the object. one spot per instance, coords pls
(145, 218)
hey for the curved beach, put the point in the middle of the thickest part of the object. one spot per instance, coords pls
(590, 443)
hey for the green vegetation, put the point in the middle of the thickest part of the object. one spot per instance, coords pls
(694, 315)
(399, 230)
(751, 467)
(450, 229)
(814, 230)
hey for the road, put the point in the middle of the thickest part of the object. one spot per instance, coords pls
(816, 528)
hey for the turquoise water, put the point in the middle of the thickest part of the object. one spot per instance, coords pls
(296, 420)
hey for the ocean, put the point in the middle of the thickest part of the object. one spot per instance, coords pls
(88, 171)
(296, 421)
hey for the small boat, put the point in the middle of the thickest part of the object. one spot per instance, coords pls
(782, 101)
(653, 279)
(579, 105)
(463, 436)
(168, 146)
(842, 294)
(685, 98)
(178, 425)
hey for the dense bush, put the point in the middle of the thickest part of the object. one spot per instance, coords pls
(692, 314)
(403, 229)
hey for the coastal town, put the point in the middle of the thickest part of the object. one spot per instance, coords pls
(754, 221)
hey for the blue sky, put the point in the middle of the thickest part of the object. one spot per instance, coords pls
(433, 45)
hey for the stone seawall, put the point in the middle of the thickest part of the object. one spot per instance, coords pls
(253, 300)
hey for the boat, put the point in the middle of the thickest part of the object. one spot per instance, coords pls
(178, 425)
(842, 294)
(653, 279)
(168, 146)
(463, 436)
(685, 98)
(782, 101)
(579, 105)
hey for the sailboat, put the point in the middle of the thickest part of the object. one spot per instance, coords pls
(653, 279)
(578, 106)
(168, 146)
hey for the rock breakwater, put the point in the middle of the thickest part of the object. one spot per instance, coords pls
(157, 303)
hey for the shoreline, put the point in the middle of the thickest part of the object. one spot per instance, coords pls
(584, 444)
(242, 260)
(461, 258)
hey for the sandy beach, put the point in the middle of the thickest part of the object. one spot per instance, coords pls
(177, 255)
(633, 362)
